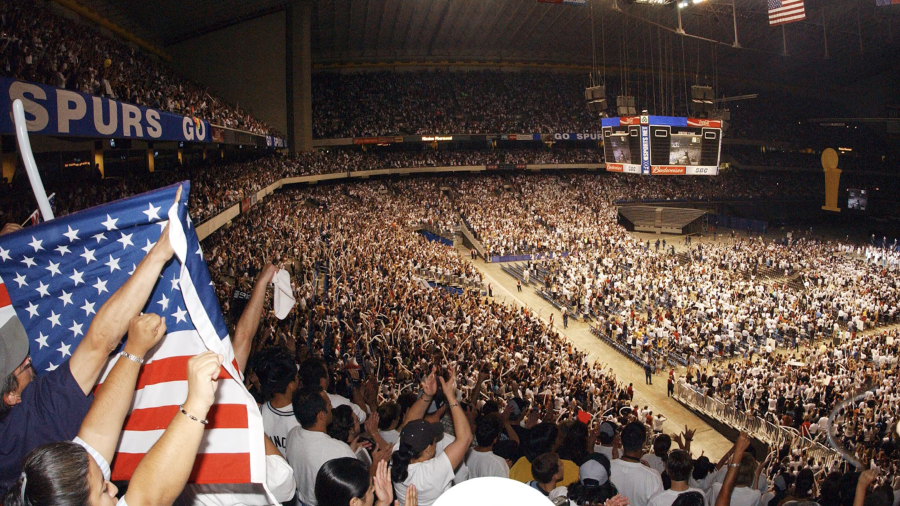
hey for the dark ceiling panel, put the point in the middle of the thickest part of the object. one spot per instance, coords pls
(525, 30)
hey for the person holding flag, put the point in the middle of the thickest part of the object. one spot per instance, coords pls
(79, 472)
(50, 408)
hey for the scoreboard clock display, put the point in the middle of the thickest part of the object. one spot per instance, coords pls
(662, 145)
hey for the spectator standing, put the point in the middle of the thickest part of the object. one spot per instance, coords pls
(631, 477)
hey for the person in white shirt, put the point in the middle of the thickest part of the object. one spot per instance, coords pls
(388, 421)
(632, 478)
(417, 462)
(347, 482)
(314, 372)
(679, 466)
(661, 446)
(308, 446)
(658, 422)
(744, 494)
(481, 460)
(277, 373)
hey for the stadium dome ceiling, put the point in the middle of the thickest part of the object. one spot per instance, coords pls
(861, 38)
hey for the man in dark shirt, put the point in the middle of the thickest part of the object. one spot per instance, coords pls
(36, 410)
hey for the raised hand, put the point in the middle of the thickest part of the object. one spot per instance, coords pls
(616, 500)
(449, 384)
(384, 490)
(163, 247)
(382, 453)
(412, 496)
(203, 375)
(866, 478)
(742, 443)
(371, 424)
(144, 332)
(267, 274)
(429, 384)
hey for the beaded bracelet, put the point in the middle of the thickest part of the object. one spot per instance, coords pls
(192, 417)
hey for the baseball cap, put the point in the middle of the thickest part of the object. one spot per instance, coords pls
(591, 472)
(13, 346)
(418, 434)
(607, 432)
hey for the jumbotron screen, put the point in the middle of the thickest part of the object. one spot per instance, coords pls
(662, 145)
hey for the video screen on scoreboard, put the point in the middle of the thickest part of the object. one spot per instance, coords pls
(857, 199)
(621, 150)
(685, 148)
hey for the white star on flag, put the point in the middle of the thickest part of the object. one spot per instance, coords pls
(164, 302)
(100, 237)
(88, 255)
(152, 213)
(125, 240)
(71, 234)
(100, 286)
(20, 279)
(42, 289)
(52, 367)
(32, 309)
(53, 268)
(4, 254)
(66, 297)
(88, 308)
(76, 328)
(29, 261)
(77, 277)
(110, 223)
(175, 282)
(64, 349)
(180, 315)
(149, 246)
(63, 250)
(53, 319)
(42, 340)
(113, 264)
(36, 244)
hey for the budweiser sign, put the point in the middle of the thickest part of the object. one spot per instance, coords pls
(667, 170)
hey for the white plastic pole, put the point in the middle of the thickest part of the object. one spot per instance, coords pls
(28, 159)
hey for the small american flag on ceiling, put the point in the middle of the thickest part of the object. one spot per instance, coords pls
(786, 11)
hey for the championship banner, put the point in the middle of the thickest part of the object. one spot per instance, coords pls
(53, 111)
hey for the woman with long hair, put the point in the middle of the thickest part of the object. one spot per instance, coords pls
(417, 461)
(347, 482)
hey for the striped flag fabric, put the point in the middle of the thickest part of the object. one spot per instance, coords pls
(786, 11)
(56, 275)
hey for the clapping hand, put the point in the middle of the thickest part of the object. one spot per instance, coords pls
(384, 490)
(429, 384)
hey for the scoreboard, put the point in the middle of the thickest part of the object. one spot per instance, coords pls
(662, 145)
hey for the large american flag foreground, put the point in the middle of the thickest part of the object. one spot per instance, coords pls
(786, 11)
(59, 273)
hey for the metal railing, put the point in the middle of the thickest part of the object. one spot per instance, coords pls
(449, 279)
(763, 430)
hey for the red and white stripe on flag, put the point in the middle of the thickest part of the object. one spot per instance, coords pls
(786, 11)
(6, 309)
(225, 451)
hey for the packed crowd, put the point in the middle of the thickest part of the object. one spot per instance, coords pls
(437, 102)
(40, 46)
(347, 381)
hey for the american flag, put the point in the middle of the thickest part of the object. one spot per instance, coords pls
(56, 275)
(785, 11)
